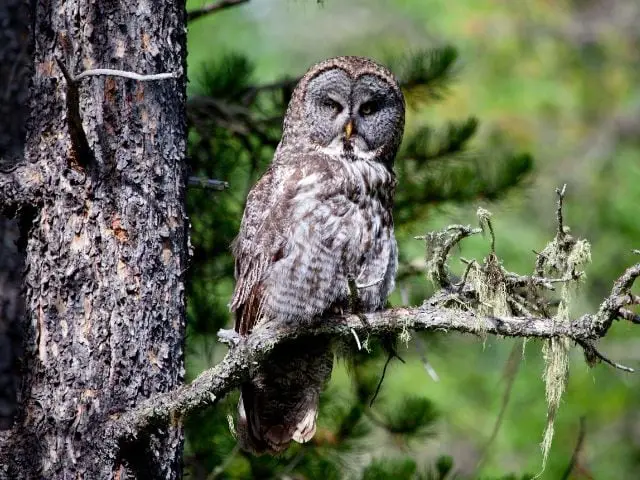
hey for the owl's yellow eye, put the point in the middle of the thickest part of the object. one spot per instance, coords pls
(367, 108)
(332, 104)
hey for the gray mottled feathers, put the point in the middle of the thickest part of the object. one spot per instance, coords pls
(315, 218)
(321, 222)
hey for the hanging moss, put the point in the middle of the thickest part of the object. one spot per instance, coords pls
(563, 256)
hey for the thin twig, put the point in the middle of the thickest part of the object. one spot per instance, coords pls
(460, 285)
(122, 73)
(379, 386)
(560, 193)
(360, 286)
(212, 7)
(593, 351)
(516, 280)
(422, 351)
(219, 469)
(485, 218)
(512, 367)
(618, 298)
(629, 315)
(576, 451)
(73, 79)
(207, 183)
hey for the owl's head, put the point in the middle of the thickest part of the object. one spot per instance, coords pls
(348, 106)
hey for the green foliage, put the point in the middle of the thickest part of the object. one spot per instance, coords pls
(527, 81)
(427, 74)
(234, 127)
(402, 469)
(227, 78)
(441, 469)
(427, 144)
(412, 418)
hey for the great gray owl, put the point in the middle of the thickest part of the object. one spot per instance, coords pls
(319, 215)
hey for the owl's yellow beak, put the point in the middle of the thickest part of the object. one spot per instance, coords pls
(348, 129)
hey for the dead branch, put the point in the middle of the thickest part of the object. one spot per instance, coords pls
(213, 384)
(124, 74)
(576, 451)
(207, 183)
(452, 309)
(439, 244)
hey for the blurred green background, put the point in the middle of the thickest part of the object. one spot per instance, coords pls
(556, 79)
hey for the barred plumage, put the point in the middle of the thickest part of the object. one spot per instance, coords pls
(320, 214)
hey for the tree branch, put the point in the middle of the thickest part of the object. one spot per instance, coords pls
(463, 307)
(213, 384)
(212, 7)
(20, 185)
(207, 183)
(81, 153)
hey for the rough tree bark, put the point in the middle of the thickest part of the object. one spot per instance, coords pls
(106, 253)
(15, 70)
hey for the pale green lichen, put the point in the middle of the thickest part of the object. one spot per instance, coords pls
(232, 427)
(563, 256)
(483, 216)
(434, 249)
(579, 256)
(365, 344)
(405, 335)
(489, 283)
(556, 358)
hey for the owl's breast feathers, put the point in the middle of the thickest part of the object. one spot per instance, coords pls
(307, 226)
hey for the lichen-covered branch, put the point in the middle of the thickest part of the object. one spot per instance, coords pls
(488, 300)
(213, 384)
(20, 185)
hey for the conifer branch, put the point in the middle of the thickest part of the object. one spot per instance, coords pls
(212, 8)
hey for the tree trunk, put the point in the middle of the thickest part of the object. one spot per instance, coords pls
(15, 70)
(106, 253)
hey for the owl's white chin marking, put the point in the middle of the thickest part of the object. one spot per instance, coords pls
(337, 149)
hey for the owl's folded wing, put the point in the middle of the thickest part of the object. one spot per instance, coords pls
(253, 250)
(289, 253)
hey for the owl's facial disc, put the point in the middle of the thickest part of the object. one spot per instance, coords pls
(352, 117)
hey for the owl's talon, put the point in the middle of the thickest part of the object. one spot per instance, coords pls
(229, 337)
(363, 318)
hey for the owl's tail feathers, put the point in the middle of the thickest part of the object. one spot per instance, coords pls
(280, 402)
(260, 431)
